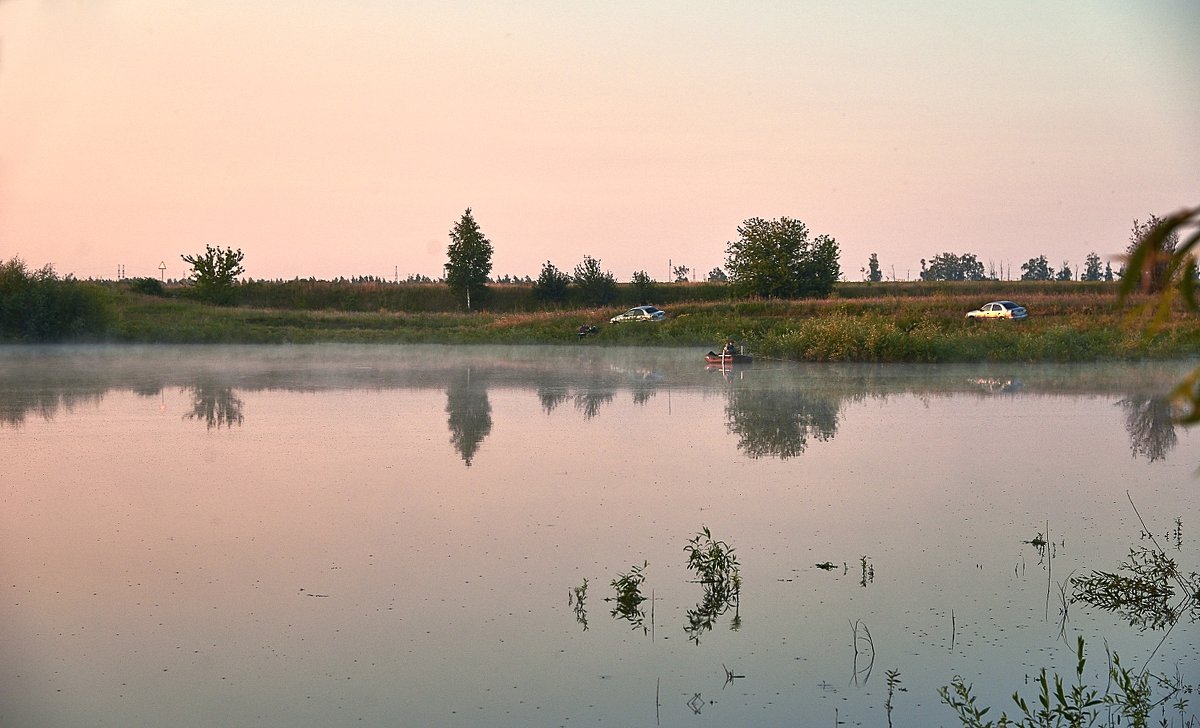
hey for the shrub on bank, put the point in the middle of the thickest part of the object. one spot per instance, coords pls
(40, 306)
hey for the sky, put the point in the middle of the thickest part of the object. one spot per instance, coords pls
(332, 138)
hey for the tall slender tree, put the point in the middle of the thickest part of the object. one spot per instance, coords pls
(469, 259)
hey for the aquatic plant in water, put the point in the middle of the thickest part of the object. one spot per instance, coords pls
(577, 598)
(712, 560)
(1143, 588)
(629, 596)
(1127, 700)
(716, 567)
(893, 686)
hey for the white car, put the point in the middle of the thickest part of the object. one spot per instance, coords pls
(640, 313)
(999, 310)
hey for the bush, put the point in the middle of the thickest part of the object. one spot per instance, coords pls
(39, 306)
(146, 286)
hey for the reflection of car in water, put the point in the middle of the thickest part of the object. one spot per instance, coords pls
(997, 386)
(640, 313)
(999, 310)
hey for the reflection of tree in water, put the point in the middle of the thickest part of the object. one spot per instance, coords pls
(1151, 427)
(719, 597)
(470, 413)
(589, 401)
(642, 395)
(779, 422)
(15, 406)
(551, 397)
(217, 405)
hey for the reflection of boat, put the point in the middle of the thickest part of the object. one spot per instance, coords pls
(714, 358)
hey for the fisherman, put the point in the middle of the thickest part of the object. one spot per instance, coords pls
(729, 349)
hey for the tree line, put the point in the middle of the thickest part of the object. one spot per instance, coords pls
(967, 267)
(768, 259)
(776, 258)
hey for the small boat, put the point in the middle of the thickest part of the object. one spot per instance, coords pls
(713, 357)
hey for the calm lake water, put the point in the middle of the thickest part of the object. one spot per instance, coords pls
(319, 536)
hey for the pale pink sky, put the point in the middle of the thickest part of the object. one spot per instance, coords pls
(341, 138)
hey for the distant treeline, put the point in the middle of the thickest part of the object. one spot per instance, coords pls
(414, 297)
(40, 306)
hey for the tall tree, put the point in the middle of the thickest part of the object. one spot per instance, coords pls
(1091, 268)
(1037, 269)
(643, 286)
(551, 285)
(214, 273)
(1064, 273)
(596, 286)
(469, 258)
(1157, 256)
(873, 273)
(952, 267)
(776, 259)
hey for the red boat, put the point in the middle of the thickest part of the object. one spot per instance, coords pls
(713, 357)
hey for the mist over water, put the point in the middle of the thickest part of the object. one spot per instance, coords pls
(318, 535)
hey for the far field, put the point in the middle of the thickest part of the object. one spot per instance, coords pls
(910, 322)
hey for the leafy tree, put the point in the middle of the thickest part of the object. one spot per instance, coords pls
(1064, 274)
(776, 259)
(214, 273)
(1037, 269)
(551, 285)
(873, 273)
(1157, 261)
(643, 286)
(681, 273)
(1108, 272)
(469, 258)
(1091, 268)
(951, 267)
(596, 287)
(716, 275)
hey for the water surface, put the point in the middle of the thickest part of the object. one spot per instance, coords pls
(313, 536)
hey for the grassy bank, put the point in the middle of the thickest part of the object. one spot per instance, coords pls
(1065, 325)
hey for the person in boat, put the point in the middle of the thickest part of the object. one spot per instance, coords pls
(729, 349)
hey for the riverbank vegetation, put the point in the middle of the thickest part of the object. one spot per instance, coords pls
(879, 322)
(889, 322)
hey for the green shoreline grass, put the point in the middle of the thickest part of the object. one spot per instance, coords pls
(1062, 327)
